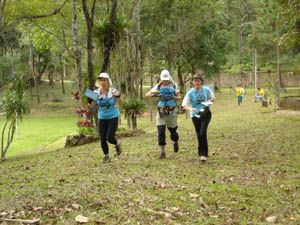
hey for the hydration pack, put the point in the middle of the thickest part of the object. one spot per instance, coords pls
(168, 97)
(106, 103)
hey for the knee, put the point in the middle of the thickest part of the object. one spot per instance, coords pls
(202, 135)
(173, 133)
(161, 130)
(111, 139)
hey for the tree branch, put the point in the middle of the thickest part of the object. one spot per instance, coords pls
(63, 41)
(93, 11)
(56, 11)
(20, 220)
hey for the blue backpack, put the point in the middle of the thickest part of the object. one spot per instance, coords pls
(106, 103)
(168, 97)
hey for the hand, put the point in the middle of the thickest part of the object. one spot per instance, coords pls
(156, 95)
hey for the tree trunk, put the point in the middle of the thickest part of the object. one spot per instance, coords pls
(138, 70)
(77, 51)
(134, 121)
(129, 122)
(255, 71)
(2, 6)
(51, 77)
(29, 73)
(129, 67)
(90, 23)
(31, 58)
(2, 140)
(241, 44)
(151, 99)
(278, 66)
(141, 89)
(180, 79)
(10, 137)
(41, 70)
(62, 74)
(109, 37)
(36, 84)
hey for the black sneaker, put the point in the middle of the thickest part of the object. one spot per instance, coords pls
(176, 147)
(162, 155)
(118, 148)
(106, 159)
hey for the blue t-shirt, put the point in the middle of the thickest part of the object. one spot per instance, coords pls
(195, 98)
(108, 107)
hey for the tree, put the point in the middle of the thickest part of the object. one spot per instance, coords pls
(109, 36)
(77, 51)
(2, 7)
(15, 107)
(89, 19)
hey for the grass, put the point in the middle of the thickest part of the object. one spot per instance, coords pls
(252, 173)
(41, 133)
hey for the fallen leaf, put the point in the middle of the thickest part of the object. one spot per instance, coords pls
(81, 219)
(4, 214)
(76, 206)
(203, 204)
(99, 222)
(271, 219)
(37, 208)
(193, 195)
(162, 185)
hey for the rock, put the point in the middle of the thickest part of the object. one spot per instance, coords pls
(77, 140)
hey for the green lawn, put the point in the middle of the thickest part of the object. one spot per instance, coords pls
(252, 174)
(41, 133)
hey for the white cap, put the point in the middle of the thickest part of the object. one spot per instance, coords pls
(103, 75)
(165, 75)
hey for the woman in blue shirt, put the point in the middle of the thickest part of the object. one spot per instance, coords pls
(108, 114)
(197, 101)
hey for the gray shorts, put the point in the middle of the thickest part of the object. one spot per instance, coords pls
(169, 120)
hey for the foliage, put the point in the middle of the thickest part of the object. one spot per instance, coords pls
(14, 107)
(13, 103)
(133, 106)
(119, 30)
(87, 130)
(84, 123)
(10, 38)
(4, 69)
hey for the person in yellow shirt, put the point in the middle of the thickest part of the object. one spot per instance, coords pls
(239, 91)
(260, 95)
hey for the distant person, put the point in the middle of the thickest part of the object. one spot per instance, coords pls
(167, 93)
(108, 114)
(260, 95)
(197, 101)
(239, 92)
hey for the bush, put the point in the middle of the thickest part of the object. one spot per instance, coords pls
(133, 107)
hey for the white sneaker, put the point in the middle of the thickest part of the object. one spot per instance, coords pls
(203, 158)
